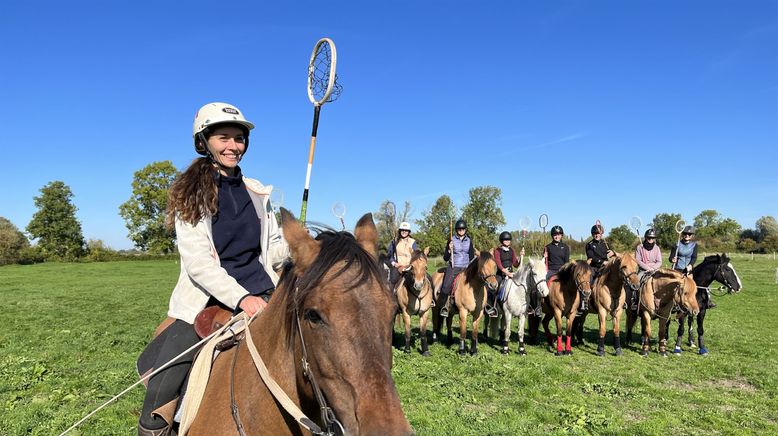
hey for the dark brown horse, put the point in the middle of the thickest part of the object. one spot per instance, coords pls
(608, 299)
(334, 302)
(469, 296)
(564, 296)
(414, 295)
(665, 289)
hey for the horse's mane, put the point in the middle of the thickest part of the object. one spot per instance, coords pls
(335, 247)
(417, 254)
(471, 273)
(568, 270)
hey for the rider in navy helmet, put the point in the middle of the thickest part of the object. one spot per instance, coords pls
(507, 262)
(556, 253)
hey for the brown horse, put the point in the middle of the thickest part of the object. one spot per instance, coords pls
(469, 296)
(665, 289)
(333, 307)
(608, 299)
(564, 297)
(414, 295)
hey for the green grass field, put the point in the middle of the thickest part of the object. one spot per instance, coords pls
(71, 334)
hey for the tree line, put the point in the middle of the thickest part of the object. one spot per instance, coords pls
(54, 232)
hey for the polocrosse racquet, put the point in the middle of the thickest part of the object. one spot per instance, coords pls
(322, 88)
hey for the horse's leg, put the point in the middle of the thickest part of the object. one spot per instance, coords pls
(578, 328)
(423, 332)
(663, 327)
(449, 333)
(463, 329)
(569, 331)
(617, 330)
(534, 326)
(435, 324)
(474, 342)
(679, 334)
(522, 320)
(630, 324)
(646, 328)
(546, 320)
(505, 330)
(407, 322)
(602, 314)
(558, 321)
(701, 332)
(690, 322)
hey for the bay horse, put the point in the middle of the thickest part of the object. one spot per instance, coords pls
(608, 298)
(414, 295)
(663, 290)
(715, 267)
(469, 296)
(332, 306)
(530, 277)
(564, 297)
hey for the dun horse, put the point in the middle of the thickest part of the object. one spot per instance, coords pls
(608, 299)
(530, 277)
(564, 296)
(663, 290)
(469, 296)
(333, 307)
(414, 295)
(720, 269)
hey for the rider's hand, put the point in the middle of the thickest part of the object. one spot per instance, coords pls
(675, 259)
(252, 305)
(611, 253)
(521, 253)
(688, 269)
(509, 275)
(451, 246)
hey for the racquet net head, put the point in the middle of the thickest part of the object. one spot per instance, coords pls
(323, 86)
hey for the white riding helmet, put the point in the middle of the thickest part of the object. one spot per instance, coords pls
(217, 113)
(405, 226)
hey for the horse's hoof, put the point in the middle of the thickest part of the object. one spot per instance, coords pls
(703, 351)
(601, 352)
(407, 350)
(522, 352)
(643, 353)
(692, 345)
(474, 353)
(426, 354)
(619, 352)
(559, 353)
(677, 351)
(663, 354)
(569, 353)
(462, 352)
(504, 351)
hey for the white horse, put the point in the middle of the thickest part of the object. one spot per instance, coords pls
(530, 277)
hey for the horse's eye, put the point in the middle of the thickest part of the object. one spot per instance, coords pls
(313, 316)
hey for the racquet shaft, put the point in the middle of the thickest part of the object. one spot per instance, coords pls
(312, 149)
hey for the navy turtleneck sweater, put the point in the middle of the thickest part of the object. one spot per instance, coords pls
(236, 235)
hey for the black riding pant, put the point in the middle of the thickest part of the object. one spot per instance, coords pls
(166, 385)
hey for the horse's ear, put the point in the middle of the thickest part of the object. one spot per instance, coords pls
(366, 234)
(427, 251)
(303, 247)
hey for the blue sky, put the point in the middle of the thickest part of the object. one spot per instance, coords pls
(581, 110)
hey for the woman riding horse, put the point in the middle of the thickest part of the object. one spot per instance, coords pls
(229, 242)
(459, 252)
(399, 253)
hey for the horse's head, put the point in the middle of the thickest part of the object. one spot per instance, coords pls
(688, 295)
(487, 269)
(628, 267)
(344, 313)
(418, 268)
(726, 274)
(537, 275)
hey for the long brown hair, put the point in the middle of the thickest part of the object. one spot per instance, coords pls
(193, 195)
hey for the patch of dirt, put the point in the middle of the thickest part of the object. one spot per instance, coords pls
(738, 384)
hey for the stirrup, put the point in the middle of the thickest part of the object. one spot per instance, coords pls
(491, 311)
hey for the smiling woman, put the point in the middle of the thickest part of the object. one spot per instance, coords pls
(229, 242)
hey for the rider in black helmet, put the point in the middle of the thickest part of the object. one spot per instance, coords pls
(649, 259)
(684, 256)
(459, 252)
(506, 263)
(556, 253)
(597, 250)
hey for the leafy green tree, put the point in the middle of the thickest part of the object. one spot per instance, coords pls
(12, 242)
(766, 226)
(747, 244)
(770, 243)
(435, 225)
(388, 219)
(144, 212)
(55, 225)
(484, 216)
(621, 239)
(714, 232)
(664, 225)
